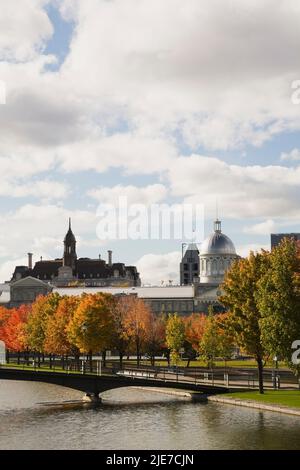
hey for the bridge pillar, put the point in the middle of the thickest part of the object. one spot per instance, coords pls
(91, 398)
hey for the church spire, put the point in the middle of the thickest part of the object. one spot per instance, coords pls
(70, 256)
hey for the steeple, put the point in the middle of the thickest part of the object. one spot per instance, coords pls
(70, 256)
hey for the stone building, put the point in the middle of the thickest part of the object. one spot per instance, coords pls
(26, 290)
(70, 269)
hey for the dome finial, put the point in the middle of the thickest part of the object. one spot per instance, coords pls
(70, 223)
(218, 226)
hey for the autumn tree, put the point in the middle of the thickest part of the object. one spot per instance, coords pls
(279, 301)
(4, 315)
(136, 323)
(15, 329)
(119, 339)
(194, 329)
(239, 297)
(42, 309)
(56, 337)
(209, 344)
(155, 335)
(175, 335)
(91, 326)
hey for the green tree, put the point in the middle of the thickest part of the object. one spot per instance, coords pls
(239, 297)
(175, 336)
(279, 301)
(209, 345)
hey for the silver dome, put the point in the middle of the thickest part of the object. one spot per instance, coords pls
(217, 243)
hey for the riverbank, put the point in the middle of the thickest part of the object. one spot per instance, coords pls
(286, 401)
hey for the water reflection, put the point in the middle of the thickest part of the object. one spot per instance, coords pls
(134, 419)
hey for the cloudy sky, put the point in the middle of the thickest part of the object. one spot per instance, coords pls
(161, 101)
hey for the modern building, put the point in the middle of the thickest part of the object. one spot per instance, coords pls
(70, 269)
(276, 238)
(189, 266)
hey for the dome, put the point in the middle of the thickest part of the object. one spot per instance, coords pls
(217, 243)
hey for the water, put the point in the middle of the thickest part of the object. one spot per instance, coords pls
(135, 419)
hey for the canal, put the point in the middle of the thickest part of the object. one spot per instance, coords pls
(134, 419)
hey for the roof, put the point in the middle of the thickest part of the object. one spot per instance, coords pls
(217, 243)
(178, 292)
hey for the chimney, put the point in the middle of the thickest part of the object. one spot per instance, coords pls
(109, 258)
(30, 255)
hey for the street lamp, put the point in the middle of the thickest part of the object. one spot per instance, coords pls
(183, 245)
(83, 329)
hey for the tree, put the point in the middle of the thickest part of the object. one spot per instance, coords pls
(155, 335)
(279, 301)
(225, 336)
(15, 327)
(119, 340)
(175, 335)
(91, 326)
(239, 297)
(56, 337)
(4, 316)
(35, 331)
(209, 345)
(136, 321)
(194, 329)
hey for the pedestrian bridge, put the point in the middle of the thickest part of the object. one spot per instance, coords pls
(94, 385)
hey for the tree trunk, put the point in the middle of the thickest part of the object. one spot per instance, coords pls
(260, 374)
(138, 353)
(104, 358)
(188, 362)
(91, 361)
(39, 360)
(18, 358)
(7, 356)
(121, 359)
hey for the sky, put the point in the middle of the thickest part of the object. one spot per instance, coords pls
(161, 102)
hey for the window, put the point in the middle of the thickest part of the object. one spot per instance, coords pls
(195, 267)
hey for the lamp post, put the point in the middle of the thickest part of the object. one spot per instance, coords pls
(83, 329)
(183, 245)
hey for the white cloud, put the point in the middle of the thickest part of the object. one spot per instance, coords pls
(263, 228)
(244, 250)
(242, 191)
(294, 155)
(24, 29)
(43, 189)
(155, 268)
(146, 195)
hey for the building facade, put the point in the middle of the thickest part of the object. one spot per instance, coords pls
(71, 270)
(276, 238)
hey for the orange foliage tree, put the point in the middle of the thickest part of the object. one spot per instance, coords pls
(136, 322)
(56, 336)
(15, 329)
(155, 335)
(90, 329)
(35, 332)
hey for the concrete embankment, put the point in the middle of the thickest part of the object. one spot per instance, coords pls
(193, 396)
(254, 404)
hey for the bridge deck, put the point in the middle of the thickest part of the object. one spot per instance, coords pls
(96, 384)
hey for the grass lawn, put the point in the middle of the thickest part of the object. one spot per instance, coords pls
(289, 398)
(232, 363)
